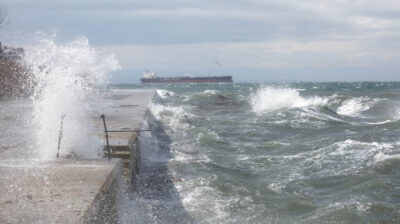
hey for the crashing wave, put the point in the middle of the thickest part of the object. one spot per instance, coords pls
(272, 98)
(67, 80)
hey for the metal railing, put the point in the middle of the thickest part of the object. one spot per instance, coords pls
(108, 131)
(60, 135)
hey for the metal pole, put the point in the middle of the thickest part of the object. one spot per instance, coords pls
(106, 132)
(127, 130)
(60, 135)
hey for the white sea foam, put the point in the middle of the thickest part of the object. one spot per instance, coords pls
(210, 92)
(175, 117)
(272, 98)
(363, 207)
(276, 187)
(380, 157)
(201, 195)
(209, 134)
(354, 106)
(354, 156)
(164, 94)
(67, 78)
(377, 123)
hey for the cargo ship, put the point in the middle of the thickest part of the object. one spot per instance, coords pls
(151, 77)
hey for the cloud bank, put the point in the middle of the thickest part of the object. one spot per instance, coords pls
(187, 35)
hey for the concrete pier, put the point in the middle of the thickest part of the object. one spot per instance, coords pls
(77, 190)
(61, 191)
(127, 112)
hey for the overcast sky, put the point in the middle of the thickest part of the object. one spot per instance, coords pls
(254, 40)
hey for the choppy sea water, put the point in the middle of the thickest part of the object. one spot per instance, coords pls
(276, 153)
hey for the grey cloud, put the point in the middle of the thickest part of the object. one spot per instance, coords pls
(373, 26)
(144, 22)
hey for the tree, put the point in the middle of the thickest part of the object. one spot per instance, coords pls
(14, 76)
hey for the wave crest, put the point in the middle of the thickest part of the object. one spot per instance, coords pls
(271, 98)
(164, 94)
(354, 106)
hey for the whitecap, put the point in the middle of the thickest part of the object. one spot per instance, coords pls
(272, 98)
(174, 115)
(276, 187)
(354, 106)
(163, 94)
(381, 157)
(210, 92)
(377, 123)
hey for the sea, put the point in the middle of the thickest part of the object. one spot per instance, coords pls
(274, 153)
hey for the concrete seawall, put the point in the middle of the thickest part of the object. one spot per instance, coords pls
(78, 190)
(127, 112)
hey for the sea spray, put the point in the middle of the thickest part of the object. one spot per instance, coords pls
(67, 79)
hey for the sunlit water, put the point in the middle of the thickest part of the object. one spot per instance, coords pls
(277, 153)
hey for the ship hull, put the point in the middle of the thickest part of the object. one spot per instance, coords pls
(187, 79)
